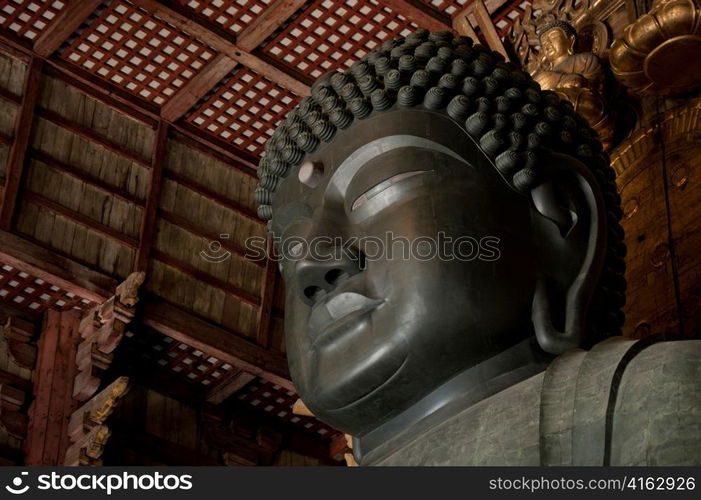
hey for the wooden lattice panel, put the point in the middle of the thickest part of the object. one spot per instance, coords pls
(180, 359)
(503, 19)
(28, 18)
(243, 110)
(24, 291)
(277, 401)
(447, 7)
(232, 15)
(506, 17)
(132, 49)
(331, 34)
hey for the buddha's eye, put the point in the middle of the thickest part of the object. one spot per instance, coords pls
(378, 188)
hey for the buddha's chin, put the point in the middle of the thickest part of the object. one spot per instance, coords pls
(361, 378)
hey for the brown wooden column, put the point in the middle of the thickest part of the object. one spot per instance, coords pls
(53, 387)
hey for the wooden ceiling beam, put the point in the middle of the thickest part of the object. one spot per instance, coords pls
(208, 35)
(223, 390)
(153, 196)
(182, 223)
(71, 17)
(217, 198)
(206, 278)
(484, 21)
(14, 170)
(53, 268)
(216, 148)
(267, 22)
(216, 341)
(421, 14)
(81, 219)
(197, 87)
(465, 20)
(90, 135)
(83, 176)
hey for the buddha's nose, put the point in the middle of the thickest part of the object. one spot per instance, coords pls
(320, 272)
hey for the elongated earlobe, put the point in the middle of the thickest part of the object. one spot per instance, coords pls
(572, 201)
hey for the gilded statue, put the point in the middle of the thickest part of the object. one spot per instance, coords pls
(576, 77)
(453, 260)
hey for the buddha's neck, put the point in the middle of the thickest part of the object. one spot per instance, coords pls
(493, 375)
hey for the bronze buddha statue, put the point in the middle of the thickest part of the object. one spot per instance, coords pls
(503, 351)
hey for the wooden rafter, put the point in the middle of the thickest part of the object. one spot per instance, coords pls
(216, 341)
(235, 382)
(484, 21)
(217, 198)
(207, 34)
(254, 34)
(188, 226)
(465, 20)
(69, 20)
(206, 278)
(153, 196)
(85, 177)
(267, 22)
(421, 14)
(48, 265)
(81, 219)
(23, 130)
(197, 87)
(89, 134)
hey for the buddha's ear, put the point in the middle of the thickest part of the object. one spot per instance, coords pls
(572, 44)
(569, 227)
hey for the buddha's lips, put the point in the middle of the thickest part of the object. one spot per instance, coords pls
(336, 308)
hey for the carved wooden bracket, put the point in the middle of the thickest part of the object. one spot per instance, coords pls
(18, 334)
(87, 429)
(102, 330)
(11, 401)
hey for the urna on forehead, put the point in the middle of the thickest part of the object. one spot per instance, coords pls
(514, 124)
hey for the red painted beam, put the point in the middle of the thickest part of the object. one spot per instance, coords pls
(14, 171)
(153, 196)
(47, 436)
(420, 14)
(69, 20)
(267, 22)
(197, 87)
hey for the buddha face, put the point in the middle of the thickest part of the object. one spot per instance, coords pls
(556, 44)
(372, 326)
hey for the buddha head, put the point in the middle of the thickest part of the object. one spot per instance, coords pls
(434, 208)
(557, 41)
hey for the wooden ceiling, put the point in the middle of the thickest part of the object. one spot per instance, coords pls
(129, 137)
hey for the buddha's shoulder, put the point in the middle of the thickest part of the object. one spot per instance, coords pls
(627, 361)
(657, 413)
(624, 402)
